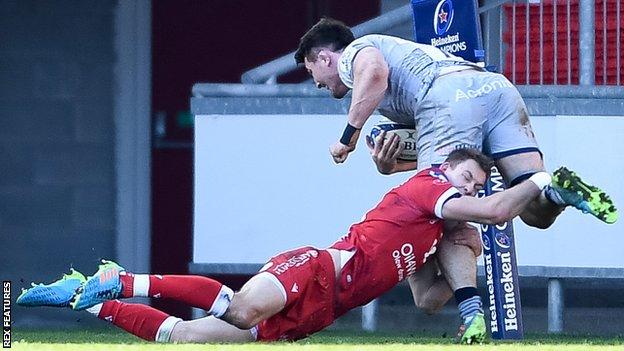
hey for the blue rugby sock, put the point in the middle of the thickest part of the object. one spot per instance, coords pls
(553, 196)
(468, 302)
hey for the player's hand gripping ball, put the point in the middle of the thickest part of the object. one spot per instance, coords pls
(406, 133)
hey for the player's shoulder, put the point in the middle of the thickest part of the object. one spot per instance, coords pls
(427, 187)
(377, 40)
(347, 58)
(432, 175)
(369, 40)
(366, 39)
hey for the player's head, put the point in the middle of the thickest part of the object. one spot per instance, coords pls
(319, 50)
(467, 169)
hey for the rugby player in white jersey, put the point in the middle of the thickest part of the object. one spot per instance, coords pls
(453, 103)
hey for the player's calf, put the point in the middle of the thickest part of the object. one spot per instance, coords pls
(140, 320)
(210, 329)
(112, 281)
(196, 291)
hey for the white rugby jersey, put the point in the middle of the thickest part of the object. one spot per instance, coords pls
(412, 69)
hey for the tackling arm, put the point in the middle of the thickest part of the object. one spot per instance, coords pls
(499, 207)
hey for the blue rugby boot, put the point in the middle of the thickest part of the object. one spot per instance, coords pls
(55, 294)
(570, 190)
(102, 286)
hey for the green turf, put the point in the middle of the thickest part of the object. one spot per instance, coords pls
(112, 339)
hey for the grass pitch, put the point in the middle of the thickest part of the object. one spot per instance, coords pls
(111, 339)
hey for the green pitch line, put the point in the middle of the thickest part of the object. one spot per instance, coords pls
(108, 339)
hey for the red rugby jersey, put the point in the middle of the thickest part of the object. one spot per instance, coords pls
(394, 239)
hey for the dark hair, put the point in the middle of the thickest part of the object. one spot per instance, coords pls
(460, 155)
(326, 33)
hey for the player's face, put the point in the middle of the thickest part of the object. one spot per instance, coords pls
(325, 74)
(466, 176)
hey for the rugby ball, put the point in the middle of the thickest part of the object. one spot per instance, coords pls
(407, 134)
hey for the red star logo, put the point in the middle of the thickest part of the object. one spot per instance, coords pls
(442, 16)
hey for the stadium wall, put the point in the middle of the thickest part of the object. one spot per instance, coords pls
(75, 122)
(57, 198)
(300, 190)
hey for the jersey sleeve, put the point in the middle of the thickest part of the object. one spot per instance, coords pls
(345, 64)
(450, 193)
(430, 191)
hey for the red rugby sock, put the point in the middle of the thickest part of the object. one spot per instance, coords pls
(197, 291)
(141, 320)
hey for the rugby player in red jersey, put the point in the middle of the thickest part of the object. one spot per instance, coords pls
(302, 291)
(452, 103)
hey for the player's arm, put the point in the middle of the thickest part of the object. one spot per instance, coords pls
(499, 207)
(462, 233)
(429, 290)
(370, 81)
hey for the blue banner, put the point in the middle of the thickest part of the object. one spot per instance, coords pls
(501, 272)
(452, 26)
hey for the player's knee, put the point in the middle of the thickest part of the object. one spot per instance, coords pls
(428, 306)
(539, 222)
(243, 316)
(431, 308)
(249, 318)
